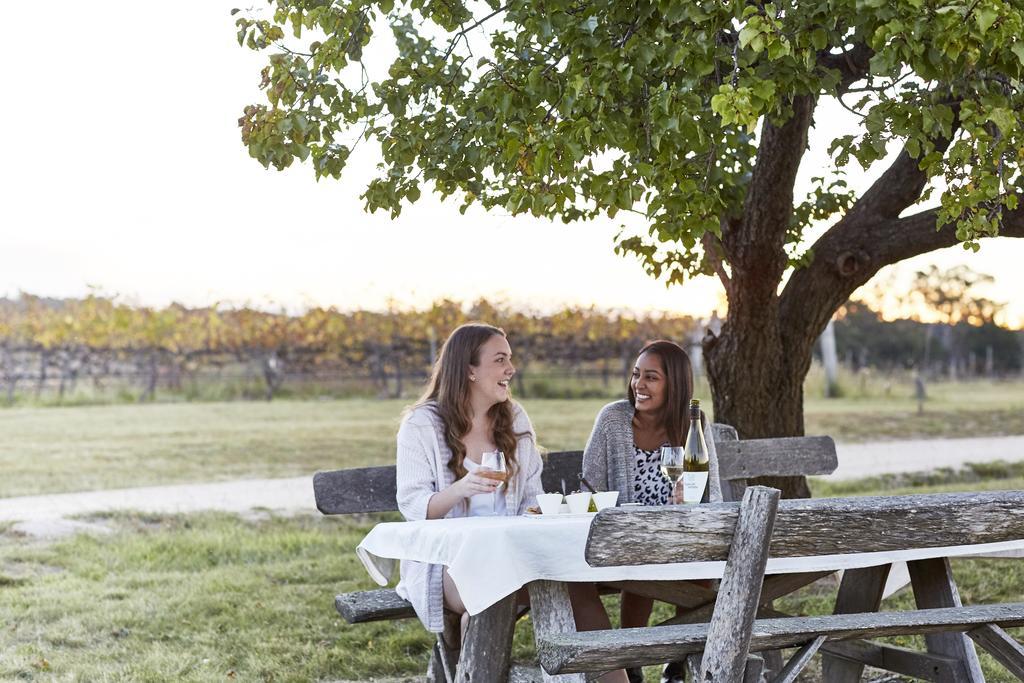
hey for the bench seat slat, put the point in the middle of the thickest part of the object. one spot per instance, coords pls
(376, 605)
(612, 649)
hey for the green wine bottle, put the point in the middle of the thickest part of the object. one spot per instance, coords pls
(696, 464)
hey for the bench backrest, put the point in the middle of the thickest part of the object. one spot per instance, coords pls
(803, 528)
(373, 489)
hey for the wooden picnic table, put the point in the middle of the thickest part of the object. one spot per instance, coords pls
(489, 558)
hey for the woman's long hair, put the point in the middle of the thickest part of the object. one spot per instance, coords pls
(449, 390)
(678, 389)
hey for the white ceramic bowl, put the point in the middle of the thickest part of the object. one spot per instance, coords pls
(550, 503)
(578, 502)
(606, 499)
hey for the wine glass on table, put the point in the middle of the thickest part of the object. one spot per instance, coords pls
(492, 466)
(672, 466)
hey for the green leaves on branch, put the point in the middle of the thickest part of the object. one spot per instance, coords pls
(575, 111)
(745, 105)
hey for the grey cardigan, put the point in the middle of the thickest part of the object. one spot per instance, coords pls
(422, 470)
(608, 461)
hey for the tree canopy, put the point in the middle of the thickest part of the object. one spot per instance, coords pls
(695, 115)
(577, 109)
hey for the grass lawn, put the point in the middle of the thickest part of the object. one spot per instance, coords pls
(50, 450)
(210, 597)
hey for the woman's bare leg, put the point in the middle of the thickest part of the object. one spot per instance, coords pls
(589, 613)
(453, 601)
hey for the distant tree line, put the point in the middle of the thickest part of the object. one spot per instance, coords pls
(952, 330)
(51, 346)
(865, 339)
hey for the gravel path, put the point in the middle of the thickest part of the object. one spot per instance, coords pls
(867, 459)
(296, 494)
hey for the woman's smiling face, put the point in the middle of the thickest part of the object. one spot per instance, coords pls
(648, 383)
(492, 376)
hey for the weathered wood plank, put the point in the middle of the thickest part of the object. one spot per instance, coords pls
(487, 650)
(551, 612)
(788, 456)
(1002, 646)
(605, 650)
(739, 593)
(373, 489)
(360, 489)
(753, 670)
(376, 605)
(933, 584)
(799, 660)
(826, 526)
(685, 594)
(775, 586)
(860, 591)
(732, 490)
(693, 666)
(927, 667)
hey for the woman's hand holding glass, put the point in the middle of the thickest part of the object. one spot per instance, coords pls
(492, 466)
(474, 483)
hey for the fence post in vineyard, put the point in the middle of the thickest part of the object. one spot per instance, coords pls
(397, 355)
(44, 362)
(149, 392)
(64, 362)
(11, 374)
(273, 373)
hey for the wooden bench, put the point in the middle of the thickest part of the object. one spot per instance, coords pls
(373, 489)
(744, 534)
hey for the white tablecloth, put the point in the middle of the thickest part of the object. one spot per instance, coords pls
(491, 557)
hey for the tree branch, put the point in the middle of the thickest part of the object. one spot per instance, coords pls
(461, 33)
(900, 186)
(852, 64)
(754, 245)
(849, 255)
(713, 253)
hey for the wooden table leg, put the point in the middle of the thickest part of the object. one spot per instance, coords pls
(860, 591)
(551, 613)
(487, 649)
(444, 657)
(933, 584)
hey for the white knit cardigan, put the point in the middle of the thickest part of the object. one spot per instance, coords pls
(422, 470)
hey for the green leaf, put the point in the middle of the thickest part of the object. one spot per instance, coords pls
(986, 16)
(1004, 118)
(819, 38)
(1018, 49)
(748, 33)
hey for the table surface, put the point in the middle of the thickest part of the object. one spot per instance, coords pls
(489, 558)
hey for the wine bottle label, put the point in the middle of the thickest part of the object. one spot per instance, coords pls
(694, 484)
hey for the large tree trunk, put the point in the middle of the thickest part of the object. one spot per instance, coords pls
(757, 385)
(756, 381)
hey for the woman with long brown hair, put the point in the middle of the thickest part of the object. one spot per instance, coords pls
(624, 454)
(466, 411)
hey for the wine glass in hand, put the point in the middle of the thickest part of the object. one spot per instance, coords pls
(492, 466)
(672, 467)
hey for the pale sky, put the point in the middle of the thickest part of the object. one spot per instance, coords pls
(124, 172)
